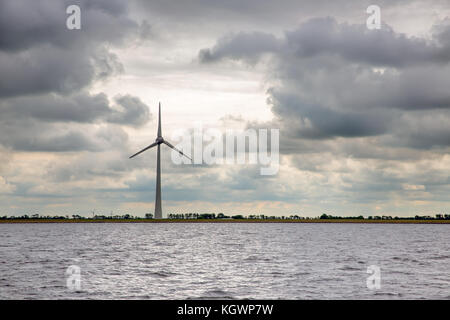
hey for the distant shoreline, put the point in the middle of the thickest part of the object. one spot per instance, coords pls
(365, 221)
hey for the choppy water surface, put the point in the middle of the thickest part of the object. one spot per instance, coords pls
(207, 261)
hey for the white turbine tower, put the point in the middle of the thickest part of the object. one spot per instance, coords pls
(159, 140)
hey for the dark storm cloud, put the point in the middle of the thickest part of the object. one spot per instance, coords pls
(46, 71)
(81, 107)
(54, 142)
(25, 24)
(54, 108)
(208, 16)
(317, 122)
(42, 70)
(335, 80)
(358, 44)
(324, 36)
(53, 123)
(29, 135)
(134, 111)
(39, 54)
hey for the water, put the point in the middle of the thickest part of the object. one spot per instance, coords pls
(236, 261)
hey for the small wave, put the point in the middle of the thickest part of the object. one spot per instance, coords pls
(391, 294)
(276, 273)
(161, 274)
(348, 268)
(324, 279)
(439, 258)
(163, 244)
(252, 258)
(405, 259)
(211, 298)
(214, 294)
(302, 274)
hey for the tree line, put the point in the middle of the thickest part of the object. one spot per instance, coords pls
(188, 216)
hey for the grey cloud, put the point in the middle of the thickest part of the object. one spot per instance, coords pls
(39, 54)
(243, 184)
(112, 163)
(317, 122)
(335, 80)
(70, 141)
(357, 44)
(25, 24)
(212, 16)
(134, 111)
(54, 123)
(325, 36)
(81, 108)
(28, 135)
(44, 70)
(55, 108)
(47, 70)
(241, 46)
(429, 138)
(328, 102)
(428, 130)
(5, 158)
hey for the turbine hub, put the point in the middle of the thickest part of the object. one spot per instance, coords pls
(159, 140)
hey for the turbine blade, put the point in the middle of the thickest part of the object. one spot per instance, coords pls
(180, 152)
(150, 146)
(159, 121)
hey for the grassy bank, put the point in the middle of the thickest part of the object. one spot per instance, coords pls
(396, 221)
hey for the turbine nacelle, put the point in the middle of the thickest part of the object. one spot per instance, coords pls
(159, 140)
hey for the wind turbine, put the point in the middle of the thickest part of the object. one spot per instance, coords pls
(159, 140)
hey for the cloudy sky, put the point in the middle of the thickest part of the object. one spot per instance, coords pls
(363, 114)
